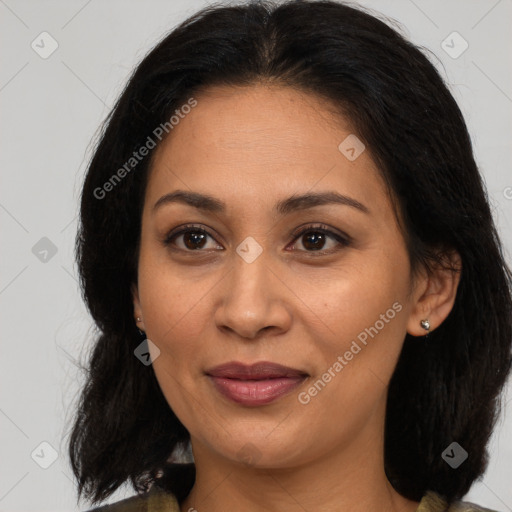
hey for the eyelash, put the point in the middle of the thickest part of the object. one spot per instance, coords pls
(343, 240)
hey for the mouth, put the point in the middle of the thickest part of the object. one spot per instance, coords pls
(257, 384)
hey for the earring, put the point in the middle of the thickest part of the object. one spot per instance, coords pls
(426, 325)
(142, 333)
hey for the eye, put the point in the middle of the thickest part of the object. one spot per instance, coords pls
(193, 238)
(314, 238)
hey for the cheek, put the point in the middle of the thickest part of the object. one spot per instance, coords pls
(174, 318)
(350, 298)
(171, 304)
(360, 314)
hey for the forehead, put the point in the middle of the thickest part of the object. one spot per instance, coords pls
(256, 142)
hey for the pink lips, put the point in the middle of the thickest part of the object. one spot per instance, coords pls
(257, 384)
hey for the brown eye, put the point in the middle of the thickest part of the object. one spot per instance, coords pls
(315, 238)
(193, 238)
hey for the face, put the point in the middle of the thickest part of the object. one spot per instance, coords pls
(319, 284)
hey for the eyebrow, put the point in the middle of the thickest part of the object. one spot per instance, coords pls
(284, 207)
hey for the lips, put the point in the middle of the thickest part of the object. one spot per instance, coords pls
(258, 371)
(257, 384)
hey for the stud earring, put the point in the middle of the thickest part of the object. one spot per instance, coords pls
(426, 325)
(139, 319)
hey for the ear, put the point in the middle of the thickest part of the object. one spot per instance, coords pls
(137, 309)
(434, 294)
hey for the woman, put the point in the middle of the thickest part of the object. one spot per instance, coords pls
(287, 248)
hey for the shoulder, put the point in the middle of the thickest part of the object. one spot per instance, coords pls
(165, 495)
(466, 506)
(155, 500)
(433, 502)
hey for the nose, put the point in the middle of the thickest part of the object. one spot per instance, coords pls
(255, 301)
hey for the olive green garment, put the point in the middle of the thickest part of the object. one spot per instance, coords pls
(157, 500)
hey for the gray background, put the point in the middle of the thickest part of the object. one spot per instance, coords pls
(51, 110)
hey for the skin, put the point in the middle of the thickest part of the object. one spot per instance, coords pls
(251, 147)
